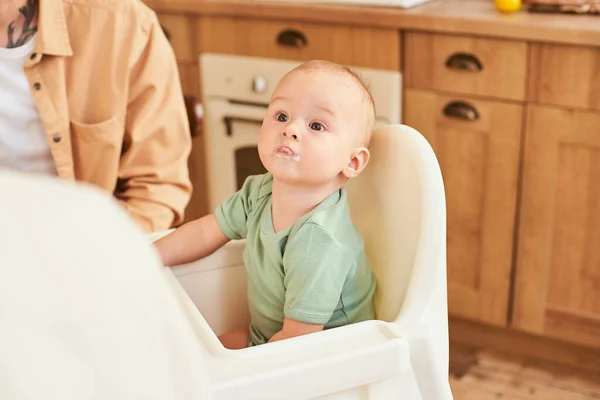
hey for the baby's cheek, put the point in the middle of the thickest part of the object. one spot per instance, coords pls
(319, 154)
(328, 161)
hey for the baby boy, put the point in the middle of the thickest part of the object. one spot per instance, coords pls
(305, 260)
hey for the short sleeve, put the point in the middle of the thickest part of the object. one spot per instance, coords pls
(316, 268)
(232, 214)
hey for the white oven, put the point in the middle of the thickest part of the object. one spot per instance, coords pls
(235, 95)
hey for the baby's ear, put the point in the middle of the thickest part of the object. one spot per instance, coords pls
(358, 162)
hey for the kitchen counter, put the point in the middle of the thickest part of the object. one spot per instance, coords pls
(468, 17)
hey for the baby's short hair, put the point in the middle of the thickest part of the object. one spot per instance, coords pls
(328, 66)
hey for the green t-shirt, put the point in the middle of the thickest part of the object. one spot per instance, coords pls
(315, 271)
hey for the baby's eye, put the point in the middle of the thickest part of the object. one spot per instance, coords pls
(316, 126)
(282, 117)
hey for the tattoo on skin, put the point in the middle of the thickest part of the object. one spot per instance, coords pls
(29, 25)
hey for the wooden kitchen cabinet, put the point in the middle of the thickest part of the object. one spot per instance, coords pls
(477, 143)
(189, 76)
(557, 285)
(180, 30)
(302, 41)
(181, 33)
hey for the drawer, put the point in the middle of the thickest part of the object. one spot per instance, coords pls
(180, 32)
(466, 65)
(565, 75)
(301, 41)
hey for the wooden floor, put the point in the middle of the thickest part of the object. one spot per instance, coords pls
(483, 375)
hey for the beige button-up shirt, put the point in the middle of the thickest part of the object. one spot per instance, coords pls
(106, 85)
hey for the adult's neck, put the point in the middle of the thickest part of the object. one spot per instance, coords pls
(18, 22)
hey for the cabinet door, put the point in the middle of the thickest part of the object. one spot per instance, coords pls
(557, 288)
(477, 145)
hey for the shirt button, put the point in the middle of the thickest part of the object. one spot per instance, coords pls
(56, 138)
(37, 86)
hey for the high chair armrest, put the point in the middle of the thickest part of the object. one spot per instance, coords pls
(312, 365)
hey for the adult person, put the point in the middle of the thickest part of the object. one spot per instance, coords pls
(90, 91)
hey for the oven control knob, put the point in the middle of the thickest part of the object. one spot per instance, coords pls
(259, 84)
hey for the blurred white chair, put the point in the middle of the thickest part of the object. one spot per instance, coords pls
(85, 310)
(398, 204)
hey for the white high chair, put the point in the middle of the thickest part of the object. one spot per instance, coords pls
(398, 204)
(88, 312)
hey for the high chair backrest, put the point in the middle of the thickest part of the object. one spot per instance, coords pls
(398, 204)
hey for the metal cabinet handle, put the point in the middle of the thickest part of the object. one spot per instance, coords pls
(464, 62)
(461, 110)
(292, 38)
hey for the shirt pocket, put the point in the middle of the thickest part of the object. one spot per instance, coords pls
(97, 152)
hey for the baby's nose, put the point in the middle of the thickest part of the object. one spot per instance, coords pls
(289, 133)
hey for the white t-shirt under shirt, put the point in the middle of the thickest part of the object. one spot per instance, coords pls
(23, 142)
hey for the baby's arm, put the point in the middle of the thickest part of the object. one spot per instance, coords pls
(191, 241)
(316, 267)
(292, 328)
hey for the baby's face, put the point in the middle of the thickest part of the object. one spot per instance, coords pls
(312, 127)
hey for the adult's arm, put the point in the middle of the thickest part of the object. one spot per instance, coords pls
(154, 183)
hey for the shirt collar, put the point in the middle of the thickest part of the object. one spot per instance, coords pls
(53, 35)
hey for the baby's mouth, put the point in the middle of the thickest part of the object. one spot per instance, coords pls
(287, 153)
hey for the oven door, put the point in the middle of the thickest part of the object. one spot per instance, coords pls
(231, 134)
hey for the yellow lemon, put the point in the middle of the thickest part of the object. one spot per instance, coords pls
(508, 6)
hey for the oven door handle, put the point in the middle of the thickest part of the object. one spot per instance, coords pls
(229, 120)
(230, 112)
